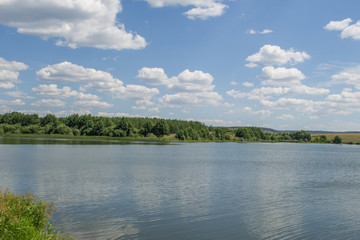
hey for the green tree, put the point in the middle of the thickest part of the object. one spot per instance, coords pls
(125, 125)
(161, 128)
(302, 136)
(337, 140)
(147, 128)
(48, 119)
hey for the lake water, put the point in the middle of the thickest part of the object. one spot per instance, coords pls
(193, 190)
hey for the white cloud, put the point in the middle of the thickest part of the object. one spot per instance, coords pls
(191, 99)
(350, 76)
(347, 30)
(5, 109)
(338, 25)
(144, 102)
(286, 117)
(190, 88)
(16, 102)
(138, 107)
(105, 114)
(196, 81)
(9, 73)
(71, 73)
(217, 122)
(281, 76)
(58, 114)
(48, 103)
(52, 90)
(92, 103)
(347, 95)
(233, 83)
(136, 92)
(155, 110)
(265, 31)
(251, 65)
(186, 81)
(153, 76)
(274, 55)
(305, 90)
(248, 84)
(19, 94)
(263, 113)
(90, 78)
(90, 23)
(302, 105)
(203, 9)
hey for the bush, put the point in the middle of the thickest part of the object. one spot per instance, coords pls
(337, 140)
(25, 217)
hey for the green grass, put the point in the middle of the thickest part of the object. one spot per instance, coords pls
(346, 137)
(26, 217)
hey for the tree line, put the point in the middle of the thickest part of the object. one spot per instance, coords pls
(88, 125)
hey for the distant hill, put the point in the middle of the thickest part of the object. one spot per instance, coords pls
(309, 131)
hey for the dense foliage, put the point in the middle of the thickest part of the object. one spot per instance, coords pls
(25, 217)
(88, 125)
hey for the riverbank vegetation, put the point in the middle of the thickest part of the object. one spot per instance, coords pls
(16, 123)
(26, 217)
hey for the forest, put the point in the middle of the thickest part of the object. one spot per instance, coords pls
(16, 123)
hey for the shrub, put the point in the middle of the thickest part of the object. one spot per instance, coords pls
(25, 217)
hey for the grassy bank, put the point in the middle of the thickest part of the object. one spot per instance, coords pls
(348, 138)
(26, 217)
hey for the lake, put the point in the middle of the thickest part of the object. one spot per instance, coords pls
(192, 190)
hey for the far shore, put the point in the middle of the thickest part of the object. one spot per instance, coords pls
(347, 138)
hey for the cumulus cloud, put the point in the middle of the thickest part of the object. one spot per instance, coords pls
(251, 65)
(248, 84)
(347, 30)
(303, 105)
(9, 73)
(217, 122)
(350, 76)
(196, 81)
(203, 9)
(52, 90)
(281, 76)
(16, 102)
(186, 81)
(49, 103)
(190, 88)
(92, 104)
(155, 110)
(259, 93)
(67, 72)
(105, 114)
(19, 94)
(269, 92)
(71, 73)
(263, 113)
(274, 55)
(153, 76)
(192, 99)
(135, 92)
(285, 117)
(90, 23)
(58, 114)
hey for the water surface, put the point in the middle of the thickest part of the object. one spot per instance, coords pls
(193, 191)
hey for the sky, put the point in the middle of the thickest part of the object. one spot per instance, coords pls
(282, 64)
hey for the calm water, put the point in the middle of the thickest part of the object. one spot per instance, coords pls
(193, 191)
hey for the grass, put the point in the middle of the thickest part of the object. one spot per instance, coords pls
(26, 217)
(346, 137)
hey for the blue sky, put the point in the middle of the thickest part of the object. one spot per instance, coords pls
(269, 63)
